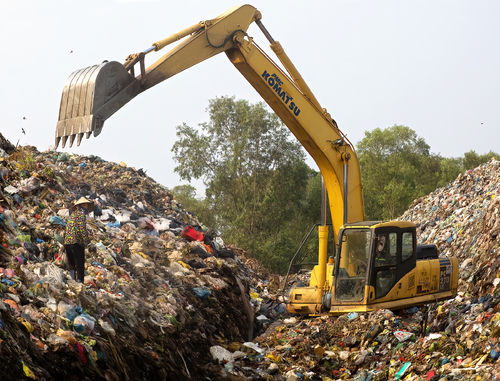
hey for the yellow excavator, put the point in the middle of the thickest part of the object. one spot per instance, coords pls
(377, 264)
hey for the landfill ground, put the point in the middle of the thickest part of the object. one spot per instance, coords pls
(157, 306)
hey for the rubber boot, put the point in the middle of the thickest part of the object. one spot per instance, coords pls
(73, 274)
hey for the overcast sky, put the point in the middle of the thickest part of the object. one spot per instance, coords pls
(432, 65)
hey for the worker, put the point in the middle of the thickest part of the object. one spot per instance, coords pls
(77, 238)
(381, 252)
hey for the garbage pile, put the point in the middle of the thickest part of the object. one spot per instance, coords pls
(164, 299)
(463, 220)
(160, 290)
(453, 340)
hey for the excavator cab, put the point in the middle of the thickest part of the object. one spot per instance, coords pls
(372, 257)
(378, 265)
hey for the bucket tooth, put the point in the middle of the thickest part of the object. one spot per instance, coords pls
(87, 134)
(71, 140)
(64, 139)
(58, 139)
(79, 139)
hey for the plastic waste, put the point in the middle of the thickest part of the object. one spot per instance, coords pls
(411, 310)
(403, 335)
(66, 335)
(192, 234)
(352, 316)
(17, 199)
(115, 224)
(30, 185)
(4, 173)
(162, 224)
(55, 340)
(84, 324)
(221, 354)
(68, 311)
(27, 371)
(402, 371)
(106, 327)
(56, 220)
(495, 353)
(62, 157)
(373, 332)
(201, 293)
(63, 213)
(10, 189)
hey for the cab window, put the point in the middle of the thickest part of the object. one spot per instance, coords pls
(386, 249)
(407, 250)
(352, 270)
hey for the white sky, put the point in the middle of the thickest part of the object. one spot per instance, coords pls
(432, 65)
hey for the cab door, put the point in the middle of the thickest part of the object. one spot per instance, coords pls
(384, 264)
(394, 256)
(351, 266)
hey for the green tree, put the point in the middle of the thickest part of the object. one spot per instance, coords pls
(450, 168)
(472, 159)
(186, 195)
(396, 167)
(254, 173)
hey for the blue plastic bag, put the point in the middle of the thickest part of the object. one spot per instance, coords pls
(56, 220)
(72, 313)
(201, 293)
(494, 354)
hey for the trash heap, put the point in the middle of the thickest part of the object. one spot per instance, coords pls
(160, 290)
(463, 220)
(453, 340)
(163, 299)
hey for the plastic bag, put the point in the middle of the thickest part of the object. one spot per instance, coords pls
(403, 335)
(123, 216)
(162, 224)
(221, 354)
(56, 220)
(30, 185)
(201, 293)
(115, 224)
(68, 311)
(66, 335)
(146, 223)
(106, 327)
(10, 189)
(192, 234)
(64, 213)
(53, 339)
(61, 259)
(84, 324)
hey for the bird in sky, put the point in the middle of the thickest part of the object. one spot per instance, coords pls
(23, 131)
(71, 52)
(24, 117)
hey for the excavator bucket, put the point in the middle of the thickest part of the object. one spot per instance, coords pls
(90, 96)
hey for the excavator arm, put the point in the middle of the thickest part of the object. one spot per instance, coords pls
(93, 94)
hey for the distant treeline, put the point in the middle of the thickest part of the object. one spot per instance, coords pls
(261, 195)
